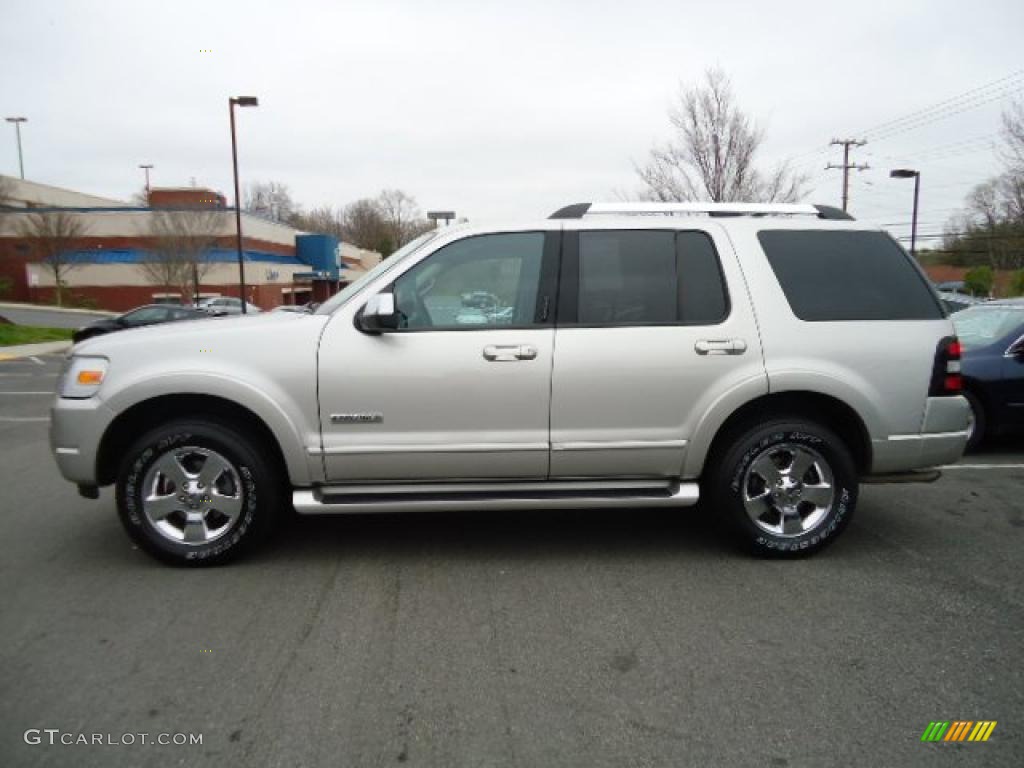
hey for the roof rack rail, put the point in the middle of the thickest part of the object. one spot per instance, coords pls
(581, 210)
(833, 213)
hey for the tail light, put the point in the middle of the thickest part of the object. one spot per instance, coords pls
(946, 378)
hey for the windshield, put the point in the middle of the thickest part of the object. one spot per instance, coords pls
(981, 326)
(386, 264)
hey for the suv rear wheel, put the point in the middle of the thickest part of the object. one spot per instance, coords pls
(787, 488)
(196, 492)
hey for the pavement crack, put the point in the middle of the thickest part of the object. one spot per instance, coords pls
(304, 632)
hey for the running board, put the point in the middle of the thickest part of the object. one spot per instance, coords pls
(497, 496)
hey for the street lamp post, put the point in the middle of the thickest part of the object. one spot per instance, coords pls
(147, 167)
(240, 101)
(17, 129)
(907, 173)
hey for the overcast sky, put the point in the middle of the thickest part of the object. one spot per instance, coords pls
(494, 109)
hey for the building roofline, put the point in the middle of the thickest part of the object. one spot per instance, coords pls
(29, 182)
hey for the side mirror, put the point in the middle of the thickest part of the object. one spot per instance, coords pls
(379, 314)
(1016, 349)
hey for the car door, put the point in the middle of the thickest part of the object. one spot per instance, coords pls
(654, 325)
(461, 390)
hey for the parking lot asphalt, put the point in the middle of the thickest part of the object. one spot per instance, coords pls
(606, 638)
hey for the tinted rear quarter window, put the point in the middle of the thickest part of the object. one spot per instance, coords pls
(847, 275)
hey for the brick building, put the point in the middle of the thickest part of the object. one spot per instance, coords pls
(282, 265)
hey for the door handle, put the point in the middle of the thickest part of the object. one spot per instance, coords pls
(720, 347)
(509, 353)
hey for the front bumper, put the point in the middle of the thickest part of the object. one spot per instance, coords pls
(76, 428)
(942, 439)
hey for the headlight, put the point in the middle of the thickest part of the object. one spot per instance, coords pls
(83, 376)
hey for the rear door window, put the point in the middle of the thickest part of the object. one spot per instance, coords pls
(647, 277)
(848, 275)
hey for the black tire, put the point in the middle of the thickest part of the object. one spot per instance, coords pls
(980, 421)
(775, 440)
(257, 488)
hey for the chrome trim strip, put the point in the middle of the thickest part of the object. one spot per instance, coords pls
(928, 436)
(310, 502)
(66, 451)
(618, 445)
(435, 448)
(1009, 349)
(496, 487)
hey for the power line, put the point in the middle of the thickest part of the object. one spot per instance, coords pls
(951, 112)
(1012, 80)
(987, 139)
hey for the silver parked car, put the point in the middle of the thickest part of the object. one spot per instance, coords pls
(767, 357)
(227, 305)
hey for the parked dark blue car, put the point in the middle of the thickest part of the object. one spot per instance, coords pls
(992, 337)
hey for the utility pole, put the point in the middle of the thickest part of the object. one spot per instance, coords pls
(846, 166)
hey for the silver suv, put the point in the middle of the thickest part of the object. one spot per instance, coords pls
(766, 357)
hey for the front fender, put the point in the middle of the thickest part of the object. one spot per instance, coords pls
(292, 428)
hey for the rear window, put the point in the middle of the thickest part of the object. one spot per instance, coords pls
(981, 326)
(840, 275)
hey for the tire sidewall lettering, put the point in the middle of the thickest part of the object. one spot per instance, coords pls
(132, 493)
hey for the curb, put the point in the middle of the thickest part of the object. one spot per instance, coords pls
(52, 308)
(29, 350)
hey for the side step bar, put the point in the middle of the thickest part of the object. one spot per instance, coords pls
(498, 496)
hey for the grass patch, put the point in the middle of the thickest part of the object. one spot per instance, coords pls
(11, 335)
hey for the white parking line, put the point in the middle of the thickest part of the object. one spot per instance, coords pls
(44, 392)
(983, 466)
(36, 360)
(27, 375)
(24, 418)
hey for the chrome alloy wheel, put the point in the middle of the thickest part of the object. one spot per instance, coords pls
(788, 489)
(192, 495)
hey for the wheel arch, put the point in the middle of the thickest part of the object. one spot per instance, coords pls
(153, 411)
(827, 410)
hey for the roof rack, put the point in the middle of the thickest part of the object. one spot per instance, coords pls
(581, 210)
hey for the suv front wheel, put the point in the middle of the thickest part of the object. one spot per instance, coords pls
(787, 487)
(196, 492)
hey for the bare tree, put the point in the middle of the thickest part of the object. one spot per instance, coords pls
(140, 198)
(270, 199)
(1012, 153)
(402, 217)
(182, 240)
(51, 237)
(363, 225)
(324, 219)
(711, 155)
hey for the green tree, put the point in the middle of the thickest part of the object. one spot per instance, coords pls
(1017, 283)
(979, 280)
